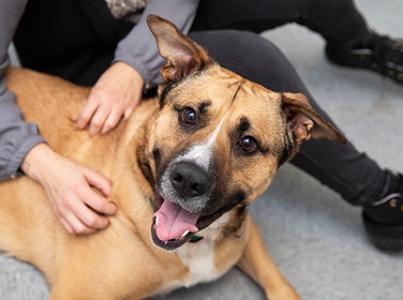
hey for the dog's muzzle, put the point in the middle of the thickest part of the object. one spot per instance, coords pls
(181, 204)
(184, 191)
(189, 180)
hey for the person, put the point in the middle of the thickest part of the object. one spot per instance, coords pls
(106, 43)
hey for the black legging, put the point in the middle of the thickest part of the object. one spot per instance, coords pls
(352, 174)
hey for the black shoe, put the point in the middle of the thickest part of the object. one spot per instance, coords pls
(381, 54)
(383, 219)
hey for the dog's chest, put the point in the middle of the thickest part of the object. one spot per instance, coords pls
(199, 258)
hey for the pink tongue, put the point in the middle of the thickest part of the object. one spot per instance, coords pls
(174, 221)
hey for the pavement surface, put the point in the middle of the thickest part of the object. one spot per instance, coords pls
(316, 238)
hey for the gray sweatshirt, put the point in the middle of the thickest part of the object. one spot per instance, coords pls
(138, 49)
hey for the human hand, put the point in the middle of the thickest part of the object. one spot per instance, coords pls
(68, 186)
(115, 95)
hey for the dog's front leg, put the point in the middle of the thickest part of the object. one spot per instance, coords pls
(257, 263)
(81, 290)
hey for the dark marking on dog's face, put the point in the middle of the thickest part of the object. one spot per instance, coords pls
(220, 137)
(233, 144)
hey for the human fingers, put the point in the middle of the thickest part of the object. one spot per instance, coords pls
(98, 120)
(112, 121)
(87, 112)
(89, 217)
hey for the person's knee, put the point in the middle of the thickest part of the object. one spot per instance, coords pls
(251, 56)
(240, 51)
(334, 6)
(246, 42)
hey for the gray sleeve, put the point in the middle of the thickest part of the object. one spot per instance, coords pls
(16, 137)
(139, 49)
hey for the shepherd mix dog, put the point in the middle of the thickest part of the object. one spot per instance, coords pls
(184, 166)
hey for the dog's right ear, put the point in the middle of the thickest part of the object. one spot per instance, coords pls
(305, 123)
(183, 56)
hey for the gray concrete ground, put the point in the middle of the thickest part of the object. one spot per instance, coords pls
(317, 239)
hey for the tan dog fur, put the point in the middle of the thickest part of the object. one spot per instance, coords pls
(122, 262)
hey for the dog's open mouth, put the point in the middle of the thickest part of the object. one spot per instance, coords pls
(173, 225)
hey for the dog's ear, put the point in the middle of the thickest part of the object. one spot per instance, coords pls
(305, 123)
(183, 56)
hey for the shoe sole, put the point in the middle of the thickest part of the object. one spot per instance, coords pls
(384, 237)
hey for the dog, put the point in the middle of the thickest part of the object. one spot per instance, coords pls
(185, 165)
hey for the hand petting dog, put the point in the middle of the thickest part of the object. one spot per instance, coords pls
(68, 184)
(115, 95)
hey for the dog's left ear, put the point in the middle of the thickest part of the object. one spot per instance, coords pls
(305, 122)
(183, 56)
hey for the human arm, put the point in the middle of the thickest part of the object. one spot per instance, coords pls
(66, 183)
(68, 186)
(17, 138)
(139, 49)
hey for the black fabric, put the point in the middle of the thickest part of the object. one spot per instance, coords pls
(75, 39)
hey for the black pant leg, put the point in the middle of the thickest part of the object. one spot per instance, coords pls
(352, 174)
(338, 21)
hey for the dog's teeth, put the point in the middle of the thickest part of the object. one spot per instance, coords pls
(185, 233)
(156, 220)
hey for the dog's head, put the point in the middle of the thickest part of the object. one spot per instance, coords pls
(218, 138)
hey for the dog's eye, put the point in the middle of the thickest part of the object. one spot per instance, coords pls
(248, 144)
(188, 116)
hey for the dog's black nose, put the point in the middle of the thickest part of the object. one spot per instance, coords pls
(189, 180)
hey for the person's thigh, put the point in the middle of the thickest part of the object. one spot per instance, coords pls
(339, 166)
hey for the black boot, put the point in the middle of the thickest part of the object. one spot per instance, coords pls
(380, 54)
(383, 219)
